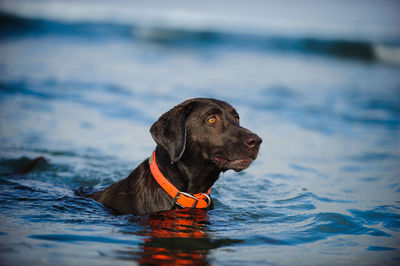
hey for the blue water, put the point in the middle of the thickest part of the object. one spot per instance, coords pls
(81, 84)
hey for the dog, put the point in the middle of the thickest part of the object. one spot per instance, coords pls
(196, 141)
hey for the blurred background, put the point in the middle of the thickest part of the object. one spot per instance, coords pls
(81, 82)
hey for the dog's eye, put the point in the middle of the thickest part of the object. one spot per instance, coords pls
(212, 120)
(237, 120)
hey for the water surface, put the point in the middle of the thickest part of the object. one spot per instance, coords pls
(83, 88)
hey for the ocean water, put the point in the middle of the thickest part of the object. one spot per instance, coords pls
(81, 82)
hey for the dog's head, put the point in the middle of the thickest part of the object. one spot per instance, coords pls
(210, 128)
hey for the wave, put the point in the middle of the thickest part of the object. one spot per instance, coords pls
(187, 28)
(362, 20)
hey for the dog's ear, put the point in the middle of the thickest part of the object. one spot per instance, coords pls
(169, 131)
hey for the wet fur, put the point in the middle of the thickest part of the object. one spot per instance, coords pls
(190, 152)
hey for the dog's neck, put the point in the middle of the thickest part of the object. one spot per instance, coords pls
(185, 176)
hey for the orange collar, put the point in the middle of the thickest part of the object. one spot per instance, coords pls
(182, 199)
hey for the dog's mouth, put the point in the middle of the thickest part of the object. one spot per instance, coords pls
(234, 164)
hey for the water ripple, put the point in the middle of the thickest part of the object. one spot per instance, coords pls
(81, 238)
(388, 216)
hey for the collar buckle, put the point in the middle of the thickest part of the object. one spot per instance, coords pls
(187, 195)
(208, 199)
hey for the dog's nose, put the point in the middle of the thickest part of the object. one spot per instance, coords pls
(252, 140)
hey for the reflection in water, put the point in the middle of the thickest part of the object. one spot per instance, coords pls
(177, 237)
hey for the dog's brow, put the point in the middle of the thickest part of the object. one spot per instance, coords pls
(214, 111)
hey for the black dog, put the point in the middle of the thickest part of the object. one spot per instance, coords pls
(196, 141)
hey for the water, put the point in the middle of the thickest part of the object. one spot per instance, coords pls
(81, 84)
